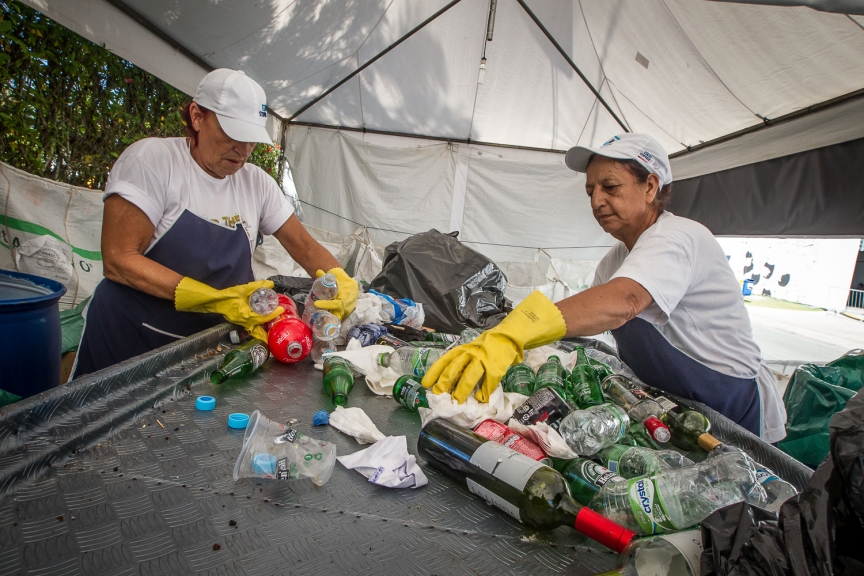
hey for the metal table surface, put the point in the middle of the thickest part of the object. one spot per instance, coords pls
(92, 484)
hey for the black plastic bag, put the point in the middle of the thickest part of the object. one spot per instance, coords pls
(819, 532)
(294, 287)
(458, 287)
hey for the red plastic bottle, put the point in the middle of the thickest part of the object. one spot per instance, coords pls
(289, 339)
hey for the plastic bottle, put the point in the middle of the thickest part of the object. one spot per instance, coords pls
(633, 461)
(390, 340)
(263, 301)
(241, 361)
(289, 339)
(324, 288)
(589, 431)
(679, 498)
(407, 360)
(677, 554)
(442, 337)
(497, 432)
(338, 379)
(520, 379)
(647, 411)
(468, 335)
(319, 348)
(410, 393)
(552, 374)
(585, 477)
(324, 324)
(637, 435)
(777, 490)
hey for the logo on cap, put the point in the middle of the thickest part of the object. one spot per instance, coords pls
(645, 156)
(608, 142)
(263, 112)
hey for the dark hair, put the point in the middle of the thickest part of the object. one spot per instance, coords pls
(640, 173)
(186, 115)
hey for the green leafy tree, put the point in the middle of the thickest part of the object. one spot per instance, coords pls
(68, 108)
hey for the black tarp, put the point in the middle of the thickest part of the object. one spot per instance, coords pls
(819, 192)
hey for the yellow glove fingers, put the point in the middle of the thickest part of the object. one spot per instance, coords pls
(494, 372)
(469, 379)
(447, 381)
(272, 316)
(319, 273)
(258, 332)
(434, 371)
(331, 305)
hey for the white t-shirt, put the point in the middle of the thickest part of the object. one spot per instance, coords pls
(697, 304)
(161, 178)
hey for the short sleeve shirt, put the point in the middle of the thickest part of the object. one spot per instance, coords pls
(160, 177)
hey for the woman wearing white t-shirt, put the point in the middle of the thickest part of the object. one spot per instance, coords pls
(181, 219)
(665, 290)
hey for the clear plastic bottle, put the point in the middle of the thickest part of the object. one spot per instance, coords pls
(324, 288)
(679, 498)
(677, 554)
(647, 411)
(324, 325)
(468, 335)
(263, 301)
(319, 348)
(589, 431)
(633, 461)
(777, 490)
(408, 360)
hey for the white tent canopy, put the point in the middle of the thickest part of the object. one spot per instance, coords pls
(721, 85)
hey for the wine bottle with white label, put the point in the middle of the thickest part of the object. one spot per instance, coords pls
(527, 490)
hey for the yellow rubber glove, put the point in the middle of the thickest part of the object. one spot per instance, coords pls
(232, 303)
(346, 297)
(534, 322)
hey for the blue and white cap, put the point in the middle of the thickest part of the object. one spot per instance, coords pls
(239, 102)
(640, 147)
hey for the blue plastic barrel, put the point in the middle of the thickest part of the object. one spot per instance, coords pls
(30, 325)
(747, 288)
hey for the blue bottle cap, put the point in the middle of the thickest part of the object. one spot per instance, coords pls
(238, 421)
(264, 464)
(205, 403)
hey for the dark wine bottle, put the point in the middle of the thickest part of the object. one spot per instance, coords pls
(532, 493)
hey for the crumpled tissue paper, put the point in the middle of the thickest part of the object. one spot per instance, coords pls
(365, 360)
(387, 463)
(354, 422)
(499, 408)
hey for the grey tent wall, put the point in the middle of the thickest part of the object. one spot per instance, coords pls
(819, 192)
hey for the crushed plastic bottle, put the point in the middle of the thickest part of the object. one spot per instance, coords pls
(589, 431)
(633, 461)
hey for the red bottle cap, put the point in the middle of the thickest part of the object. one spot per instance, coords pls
(605, 531)
(657, 429)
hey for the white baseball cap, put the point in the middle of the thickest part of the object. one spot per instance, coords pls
(640, 147)
(239, 103)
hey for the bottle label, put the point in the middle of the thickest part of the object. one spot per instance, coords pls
(506, 465)
(545, 405)
(613, 454)
(286, 470)
(418, 361)
(648, 506)
(290, 436)
(596, 474)
(689, 544)
(763, 476)
(410, 394)
(259, 354)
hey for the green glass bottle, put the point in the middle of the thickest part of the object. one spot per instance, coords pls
(425, 344)
(241, 361)
(584, 382)
(532, 493)
(603, 370)
(520, 379)
(637, 435)
(688, 428)
(585, 478)
(410, 393)
(442, 337)
(338, 379)
(553, 375)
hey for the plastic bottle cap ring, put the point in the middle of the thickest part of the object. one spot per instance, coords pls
(205, 403)
(238, 421)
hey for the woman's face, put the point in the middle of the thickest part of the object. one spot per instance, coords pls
(216, 152)
(620, 203)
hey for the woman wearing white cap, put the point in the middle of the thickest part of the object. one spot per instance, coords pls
(665, 290)
(181, 219)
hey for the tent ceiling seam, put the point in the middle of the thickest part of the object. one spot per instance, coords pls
(623, 95)
(861, 26)
(588, 118)
(360, 93)
(708, 64)
(374, 59)
(600, 62)
(572, 64)
(304, 78)
(477, 85)
(253, 32)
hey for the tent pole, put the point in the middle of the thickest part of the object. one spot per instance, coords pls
(423, 137)
(571, 63)
(374, 59)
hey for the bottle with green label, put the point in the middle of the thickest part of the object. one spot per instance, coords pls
(632, 461)
(532, 493)
(585, 478)
(679, 498)
(442, 337)
(410, 393)
(677, 554)
(553, 375)
(603, 370)
(338, 379)
(584, 382)
(241, 361)
(519, 379)
(637, 435)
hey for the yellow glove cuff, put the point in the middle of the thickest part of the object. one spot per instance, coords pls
(536, 321)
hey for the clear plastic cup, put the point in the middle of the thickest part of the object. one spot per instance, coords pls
(275, 451)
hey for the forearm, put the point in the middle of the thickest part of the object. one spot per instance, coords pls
(313, 257)
(143, 274)
(604, 307)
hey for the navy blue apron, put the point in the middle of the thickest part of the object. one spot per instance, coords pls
(123, 322)
(659, 364)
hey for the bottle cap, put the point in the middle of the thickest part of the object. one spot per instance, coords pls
(294, 350)
(238, 420)
(264, 464)
(657, 429)
(205, 403)
(708, 442)
(605, 531)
